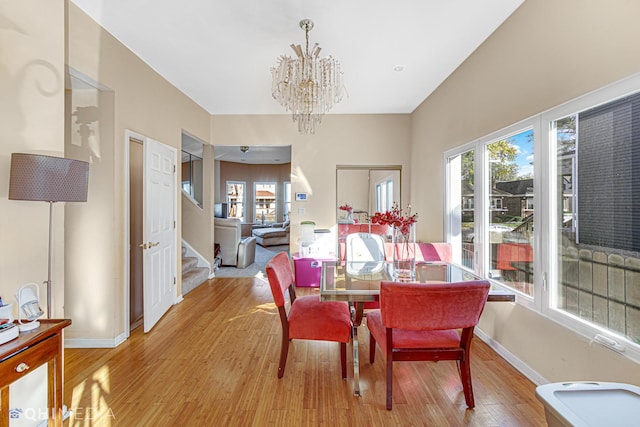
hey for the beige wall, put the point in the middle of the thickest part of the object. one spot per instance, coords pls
(197, 222)
(546, 53)
(31, 119)
(147, 104)
(340, 139)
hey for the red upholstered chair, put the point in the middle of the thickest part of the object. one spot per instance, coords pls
(308, 317)
(418, 321)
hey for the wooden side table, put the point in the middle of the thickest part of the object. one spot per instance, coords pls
(27, 352)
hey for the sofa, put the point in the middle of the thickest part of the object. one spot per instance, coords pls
(234, 250)
(276, 234)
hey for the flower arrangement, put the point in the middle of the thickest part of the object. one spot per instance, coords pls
(396, 218)
(346, 208)
(404, 250)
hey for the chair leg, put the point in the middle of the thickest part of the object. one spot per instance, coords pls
(284, 350)
(343, 359)
(389, 357)
(389, 381)
(372, 348)
(465, 376)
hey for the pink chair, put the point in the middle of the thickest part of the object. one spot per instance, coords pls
(308, 317)
(418, 321)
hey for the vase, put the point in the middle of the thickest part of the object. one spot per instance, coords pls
(404, 253)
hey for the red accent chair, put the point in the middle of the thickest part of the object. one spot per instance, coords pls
(308, 317)
(418, 321)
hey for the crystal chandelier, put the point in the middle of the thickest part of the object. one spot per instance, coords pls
(308, 86)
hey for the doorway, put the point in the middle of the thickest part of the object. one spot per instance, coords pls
(150, 218)
(136, 302)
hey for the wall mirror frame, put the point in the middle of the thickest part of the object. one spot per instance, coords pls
(367, 189)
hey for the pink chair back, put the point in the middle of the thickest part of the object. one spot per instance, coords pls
(441, 306)
(280, 276)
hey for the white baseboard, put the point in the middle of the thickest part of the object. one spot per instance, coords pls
(522, 367)
(94, 343)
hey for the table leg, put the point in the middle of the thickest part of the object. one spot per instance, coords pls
(357, 310)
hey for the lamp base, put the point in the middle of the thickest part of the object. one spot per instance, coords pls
(26, 327)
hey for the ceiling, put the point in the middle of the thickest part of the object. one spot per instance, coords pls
(219, 53)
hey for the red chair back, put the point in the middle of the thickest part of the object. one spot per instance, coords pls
(441, 306)
(280, 277)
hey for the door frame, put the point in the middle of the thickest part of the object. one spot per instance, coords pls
(128, 135)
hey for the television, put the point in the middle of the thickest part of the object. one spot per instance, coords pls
(220, 210)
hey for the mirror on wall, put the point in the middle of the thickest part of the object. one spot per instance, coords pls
(366, 189)
(192, 174)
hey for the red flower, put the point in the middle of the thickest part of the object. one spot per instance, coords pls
(396, 219)
(345, 207)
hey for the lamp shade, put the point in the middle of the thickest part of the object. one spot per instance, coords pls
(47, 178)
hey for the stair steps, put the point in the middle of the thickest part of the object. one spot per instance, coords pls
(192, 275)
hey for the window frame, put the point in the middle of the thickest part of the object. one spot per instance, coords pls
(483, 204)
(593, 99)
(255, 201)
(545, 220)
(286, 200)
(244, 197)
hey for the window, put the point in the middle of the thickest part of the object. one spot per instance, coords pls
(287, 201)
(496, 204)
(264, 202)
(554, 214)
(496, 237)
(467, 203)
(236, 199)
(461, 205)
(598, 231)
(384, 195)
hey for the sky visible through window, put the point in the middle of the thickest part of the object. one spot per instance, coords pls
(524, 144)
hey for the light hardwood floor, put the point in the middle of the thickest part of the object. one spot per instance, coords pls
(212, 361)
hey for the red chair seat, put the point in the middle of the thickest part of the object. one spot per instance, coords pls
(312, 319)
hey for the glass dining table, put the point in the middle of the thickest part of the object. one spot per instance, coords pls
(359, 282)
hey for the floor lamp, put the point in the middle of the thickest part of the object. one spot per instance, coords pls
(48, 179)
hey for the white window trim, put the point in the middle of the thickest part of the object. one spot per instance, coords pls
(593, 99)
(481, 198)
(255, 208)
(244, 197)
(284, 200)
(545, 170)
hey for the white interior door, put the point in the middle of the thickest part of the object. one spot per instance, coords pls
(159, 233)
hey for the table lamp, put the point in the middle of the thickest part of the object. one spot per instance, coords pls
(29, 310)
(48, 179)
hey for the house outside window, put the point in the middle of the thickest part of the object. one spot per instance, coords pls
(467, 203)
(264, 202)
(496, 204)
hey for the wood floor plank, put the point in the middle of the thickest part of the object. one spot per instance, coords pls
(213, 359)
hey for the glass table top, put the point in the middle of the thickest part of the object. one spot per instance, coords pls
(360, 281)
